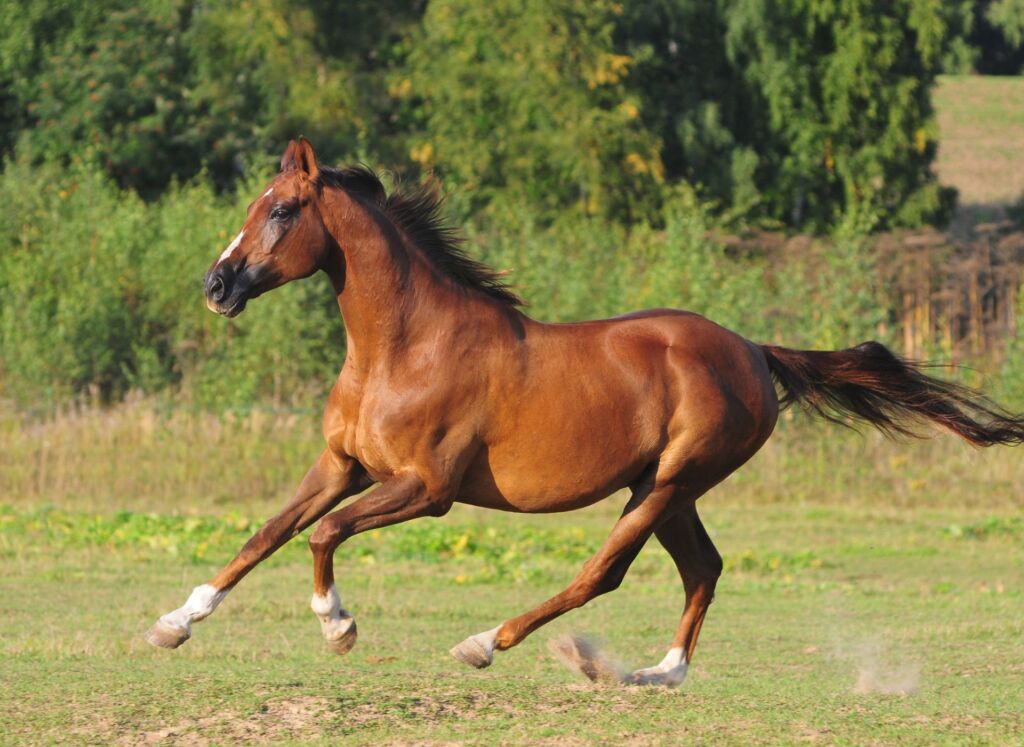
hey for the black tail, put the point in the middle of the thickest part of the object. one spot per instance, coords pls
(871, 383)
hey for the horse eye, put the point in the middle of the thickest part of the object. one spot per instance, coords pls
(280, 214)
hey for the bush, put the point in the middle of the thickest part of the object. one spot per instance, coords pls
(99, 289)
(102, 291)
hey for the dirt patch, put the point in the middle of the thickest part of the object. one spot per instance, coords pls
(283, 718)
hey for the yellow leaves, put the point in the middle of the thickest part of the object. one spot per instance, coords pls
(423, 154)
(460, 544)
(637, 164)
(611, 68)
(920, 140)
(401, 89)
(629, 109)
(641, 166)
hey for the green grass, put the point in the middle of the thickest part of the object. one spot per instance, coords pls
(815, 600)
(856, 570)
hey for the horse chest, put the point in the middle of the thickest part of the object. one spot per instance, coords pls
(385, 428)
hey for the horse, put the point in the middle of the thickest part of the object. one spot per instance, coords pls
(449, 394)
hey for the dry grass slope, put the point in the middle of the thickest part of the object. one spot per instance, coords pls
(981, 134)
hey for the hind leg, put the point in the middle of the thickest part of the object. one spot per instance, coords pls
(700, 565)
(601, 574)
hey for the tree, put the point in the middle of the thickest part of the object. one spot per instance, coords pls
(528, 101)
(154, 91)
(842, 106)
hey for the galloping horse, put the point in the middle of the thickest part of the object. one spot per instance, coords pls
(450, 394)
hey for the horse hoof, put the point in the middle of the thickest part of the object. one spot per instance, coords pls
(165, 635)
(473, 652)
(669, 673)
(657, 677)
(343, 638)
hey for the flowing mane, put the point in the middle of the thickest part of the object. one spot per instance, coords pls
(419, 213)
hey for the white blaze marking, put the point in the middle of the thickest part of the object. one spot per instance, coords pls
(231, 247)
(267, 193)
(201, 602)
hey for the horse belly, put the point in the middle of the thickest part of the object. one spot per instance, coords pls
(561, 465)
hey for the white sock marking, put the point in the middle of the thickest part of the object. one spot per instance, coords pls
(673, 659)
(487, 639)
(671, 671)
(200, 604)
(231, 247)
(334, 621)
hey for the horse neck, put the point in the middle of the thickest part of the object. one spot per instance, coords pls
(388, 293)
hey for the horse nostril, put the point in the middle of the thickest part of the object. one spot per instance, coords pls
(215, 291)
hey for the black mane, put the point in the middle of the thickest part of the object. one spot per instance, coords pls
(419, 214)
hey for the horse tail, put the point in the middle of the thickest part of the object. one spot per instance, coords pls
(872, 384)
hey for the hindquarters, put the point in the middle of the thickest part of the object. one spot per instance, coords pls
(724, 405)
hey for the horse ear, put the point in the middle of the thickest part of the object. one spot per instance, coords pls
(290, 159)
(307, 158)
(300, 155)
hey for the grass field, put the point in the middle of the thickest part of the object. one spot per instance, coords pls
(981, 142)
(874, 593)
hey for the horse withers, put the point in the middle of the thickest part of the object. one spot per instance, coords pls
(449, 393)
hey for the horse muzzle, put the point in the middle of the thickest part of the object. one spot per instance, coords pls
(226, 291)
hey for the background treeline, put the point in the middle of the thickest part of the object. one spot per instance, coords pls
(595, 148)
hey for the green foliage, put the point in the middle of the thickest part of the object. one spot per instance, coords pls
(841, 106)
(1008, 16)
(984, 36)
(960, 56)
(115, 95)
(100, 289)
(1011, 527)
(590, 147)
(517, 553)
(529, 102)
(156, 90)
(801, 113)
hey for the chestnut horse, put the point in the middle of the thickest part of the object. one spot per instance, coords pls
(450, 394)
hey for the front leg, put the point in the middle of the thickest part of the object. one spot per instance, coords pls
(399, 499)
(329, 481)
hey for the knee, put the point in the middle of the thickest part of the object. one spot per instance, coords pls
(325, 537)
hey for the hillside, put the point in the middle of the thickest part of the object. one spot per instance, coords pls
(981, 134)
